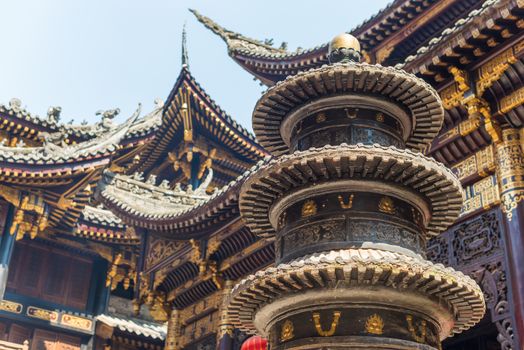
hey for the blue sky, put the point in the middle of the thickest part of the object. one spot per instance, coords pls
(99, 54)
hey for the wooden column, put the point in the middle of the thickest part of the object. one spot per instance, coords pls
(173, 330)
(510, 158)
(225, 328)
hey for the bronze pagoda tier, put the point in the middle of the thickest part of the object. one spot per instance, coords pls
(351, 202)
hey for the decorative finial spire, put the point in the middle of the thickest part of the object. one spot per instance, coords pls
(185, 59)
(344, 48)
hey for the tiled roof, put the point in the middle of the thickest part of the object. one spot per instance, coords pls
(101, 216)
(135, 326)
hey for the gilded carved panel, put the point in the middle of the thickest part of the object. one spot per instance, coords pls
(160, 249)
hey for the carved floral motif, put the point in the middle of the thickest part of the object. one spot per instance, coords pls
(160, 249)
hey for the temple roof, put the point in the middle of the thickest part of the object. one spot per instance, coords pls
(101, 225)
(378, 35)
(161, 208)
(193, 123)
(101, 216)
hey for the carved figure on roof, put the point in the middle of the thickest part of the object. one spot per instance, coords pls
(151, 180)
(53, 114)
(108, 116)
(55, 138)
(159, 103)
(201, 190)
(15, 104)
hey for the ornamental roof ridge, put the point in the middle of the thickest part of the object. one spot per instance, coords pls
(227, 188)
(134, 325)
(133, 195)
(56, 129)
(100, 215)
(53, 153)
(123, 203)
(15, 109)
(234, 40)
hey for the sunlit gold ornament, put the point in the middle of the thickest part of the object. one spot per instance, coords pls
(375, 324)
(346, 41)
(332, 329)
(386, 205)
(345, 205)
(309, 208)
(421, 328)
(287, 331)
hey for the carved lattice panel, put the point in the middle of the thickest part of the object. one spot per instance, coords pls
(476, 247)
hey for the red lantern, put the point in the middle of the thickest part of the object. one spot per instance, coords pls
(255, 342)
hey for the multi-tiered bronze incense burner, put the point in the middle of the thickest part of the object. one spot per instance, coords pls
(350, 202)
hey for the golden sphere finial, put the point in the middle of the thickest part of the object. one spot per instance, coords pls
(344, 41)
(344, 48)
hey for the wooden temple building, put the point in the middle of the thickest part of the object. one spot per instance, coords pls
(129, 236)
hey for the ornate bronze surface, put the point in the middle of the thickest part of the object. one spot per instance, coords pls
(350, 208)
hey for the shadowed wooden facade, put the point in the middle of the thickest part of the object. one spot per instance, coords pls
(149, 209)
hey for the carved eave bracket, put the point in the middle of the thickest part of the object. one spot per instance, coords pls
(31, 213)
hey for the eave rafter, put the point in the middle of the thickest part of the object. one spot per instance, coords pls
(472, 39)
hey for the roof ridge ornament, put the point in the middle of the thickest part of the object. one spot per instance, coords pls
(185, 57)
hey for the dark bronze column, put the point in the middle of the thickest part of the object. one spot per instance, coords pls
(510, 156)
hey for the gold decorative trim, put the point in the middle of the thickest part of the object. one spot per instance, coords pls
(287, 331)
(321, 117)
(43, 314)
(481, 163)
(11, 306)
(375, 324)
(492, 70)
(453, 94)
(483, 194)
(332, 329)
(309, 208)
(76, 322)
(344, 204)
(511, 101)
(510, 154)
(421, 329)
(386, 205)
(510, 201)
